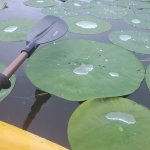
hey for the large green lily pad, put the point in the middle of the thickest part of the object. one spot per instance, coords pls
(15, 30)
(86, 25)
(109, 124)
(108, 11)
(132, 40)
(147, 76)
(40, 3)
(5, 92)
(78, 70)
(138, 20)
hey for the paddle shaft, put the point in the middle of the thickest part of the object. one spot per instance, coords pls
(9, 71)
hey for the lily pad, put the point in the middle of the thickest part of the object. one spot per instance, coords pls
(107, 11)
(15, 30)
(59, 11)
(79, 69)
(86, 25)
(132, 40)
(5, 92)
(138, 20)
(147, 76)
(132, 4)
(109, 124)
(40, 3)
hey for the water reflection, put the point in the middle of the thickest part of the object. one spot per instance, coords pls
(41, 97)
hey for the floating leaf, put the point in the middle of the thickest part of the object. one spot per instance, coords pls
(81, 69)
(132, 40)
(14, 30)
(5, 92)
(86, 25)
(109, 124)
(40, 3)
(138, 20)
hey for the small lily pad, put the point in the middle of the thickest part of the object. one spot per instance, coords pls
(132, 40)
(15, 30)
(109, 124)
(79, 69)
(138, 20)
(86, 25)
(5, 92)
(40, 3)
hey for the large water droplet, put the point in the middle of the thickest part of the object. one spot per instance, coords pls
(147, 46)
(83, 69)
(10, 29)
(136, 21)
(125, 37)
(87, 24)
(40, 1)
(123, 117)
(114, 74)
(77, 4)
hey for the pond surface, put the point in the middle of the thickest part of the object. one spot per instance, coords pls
(36, 111)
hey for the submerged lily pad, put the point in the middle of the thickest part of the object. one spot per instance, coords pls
(109, 124)
(86, 25)
(15, 30)
(5, 92)
(40, 3)
(132, 40)
(78, 70)
(138, 20)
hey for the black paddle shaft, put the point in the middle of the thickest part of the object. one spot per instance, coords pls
(48, 29)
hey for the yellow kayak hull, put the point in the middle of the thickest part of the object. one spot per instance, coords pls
(14, 138)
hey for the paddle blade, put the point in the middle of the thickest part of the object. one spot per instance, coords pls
(48, 29)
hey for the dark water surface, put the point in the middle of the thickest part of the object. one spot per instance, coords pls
(34, 110)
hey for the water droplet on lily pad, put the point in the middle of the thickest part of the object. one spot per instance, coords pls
(10, 29)
(114, 74)
(136, 21)
(83, 69)
(125, 37)
(40, 1)
(120, 116)
(87, 24)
